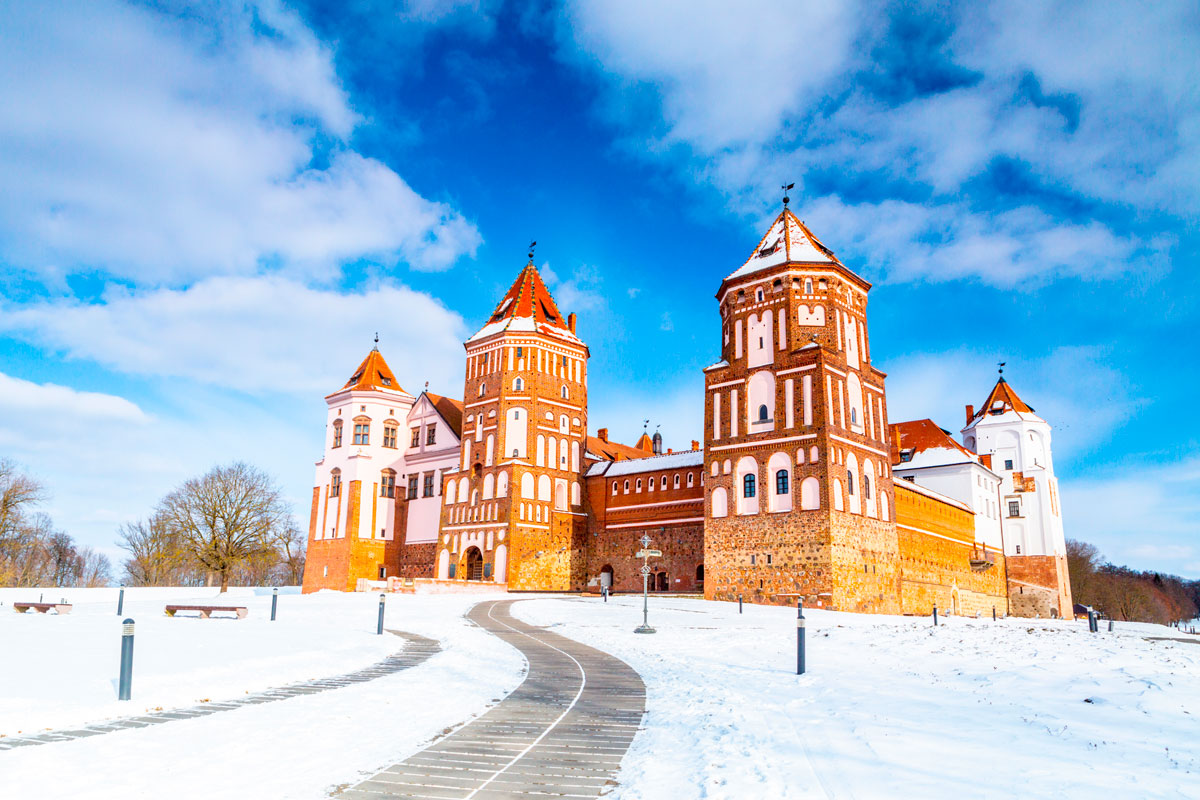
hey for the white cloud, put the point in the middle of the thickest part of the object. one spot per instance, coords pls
(163, 148)
(1140, 516)
(1084, 412)
(51, 401)
(264, 334)
(1094, 102)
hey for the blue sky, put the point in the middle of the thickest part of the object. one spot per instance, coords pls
(208, 209)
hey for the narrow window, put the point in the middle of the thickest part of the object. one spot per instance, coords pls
(482, 388)
(781, 482)
(428, 488)
(676, 482)
(412, 487)
(335, 483)
(614, 486)
(758, 295)
(1014, 508)
(416, 437)
(867, 487)
(518, 385)
(808, 285)
(520, 352)
(431, 433)
(639, 485)
(626, 486)
(389, 436)
(691, 479)
(566, 395)
(748, 486)
(337, 433)
(763, 414)
(388, 486)
(850, 482)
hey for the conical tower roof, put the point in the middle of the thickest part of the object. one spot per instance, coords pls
(373, 373)
(527, 306)
(1001, 399)
(788, 240)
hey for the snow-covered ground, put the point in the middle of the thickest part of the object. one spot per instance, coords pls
(893, 707)
(56, 671)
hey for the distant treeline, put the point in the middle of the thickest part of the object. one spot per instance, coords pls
(1125, 594)
(229, 526)
(32, 552)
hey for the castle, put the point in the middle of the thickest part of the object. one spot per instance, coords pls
(802, 488)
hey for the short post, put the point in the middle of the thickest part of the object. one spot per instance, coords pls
(993, 613)
(604, 593)
(380, 630)
(120, 601)
(935, 615)
(739, 604)
(274, 602)
(1110, 625)
(126, 676)
(800, 636)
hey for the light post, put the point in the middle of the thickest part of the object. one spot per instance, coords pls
(645, 554)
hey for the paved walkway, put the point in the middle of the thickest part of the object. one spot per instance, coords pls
(562, 733)
(417, 649)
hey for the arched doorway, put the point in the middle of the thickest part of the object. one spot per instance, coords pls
(663, 582)
(699, 576)
(606, 577)
(474, 564)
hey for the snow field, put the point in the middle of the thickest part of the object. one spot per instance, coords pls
(893, 707)
(302, 747)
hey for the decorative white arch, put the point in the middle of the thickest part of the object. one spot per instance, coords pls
(527, 490)
(502, 485)
(810, 494)
(544, 488)
(720, 502)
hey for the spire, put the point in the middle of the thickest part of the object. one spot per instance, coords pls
(788, 240)
(527, 305)
(373, 373)
(1001, 399)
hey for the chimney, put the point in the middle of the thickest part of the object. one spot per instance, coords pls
(602, 434)
(970, 413)
(571, 322)
(669, 451)
(695, 445)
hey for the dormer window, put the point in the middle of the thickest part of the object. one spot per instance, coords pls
(906, 455)
(386, 381)
(550, 315)
(770, 249)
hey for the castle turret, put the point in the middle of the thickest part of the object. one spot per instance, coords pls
(799, 487)
(513, 510)
(1017, 441)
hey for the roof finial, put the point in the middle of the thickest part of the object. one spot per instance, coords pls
(532, 245)
(427, 386)
(787, 188)
(376, 340)
(1001, 364)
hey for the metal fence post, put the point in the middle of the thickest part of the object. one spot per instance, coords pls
(274, 602)
(380, 630)
(121, 601)
(800, 636)
(126, 676)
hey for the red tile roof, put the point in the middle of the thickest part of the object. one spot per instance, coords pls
(450, 409)
(613, 451)
(373, 373)
(529, 297)
(919, 435)
(1002, 398)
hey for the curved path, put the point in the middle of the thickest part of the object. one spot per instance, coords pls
(561, 733)
(417, 649)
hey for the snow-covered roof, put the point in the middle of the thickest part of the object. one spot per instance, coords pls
(719, 365)
(1002, 400)
(919, 489)
(631, 466)
(527, 307)
(787, 241)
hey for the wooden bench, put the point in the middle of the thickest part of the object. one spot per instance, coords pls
(42, 608)
(206, 611)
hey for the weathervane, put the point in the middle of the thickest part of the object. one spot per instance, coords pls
(787, 188)
(376, 340)
(1001, 363)
(532, 245)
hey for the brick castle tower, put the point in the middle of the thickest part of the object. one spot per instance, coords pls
(1017, 441)
(513, 511)
(353, 526)
(800, 498)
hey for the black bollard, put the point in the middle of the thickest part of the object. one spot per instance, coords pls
(121, 601)
(993, 613)
(800, 636)
(935, 615)
(604, 592)
(380, 631)
(1110, 626)
(274, 602)
(126, 676)
(739, 604)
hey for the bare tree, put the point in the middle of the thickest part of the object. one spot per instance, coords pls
(156, 553)
(226, 517)
(94, 568)
(290, 543)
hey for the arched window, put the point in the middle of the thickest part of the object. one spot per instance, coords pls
(614, 487)
(566, 393)
(544, 488)
(810, 494)
(691, 479)
(763, 414)
(781, 482)
(638, 485)
(812, 454)
(808, 285)
(720, 502)
(482, 389)
(676, 486)
(716, 469)
(527, 491)
(502, 485)
(748, 487)
(663, 483)
(518, 384)
(866, 486)
(850, 483)
(335, 482)
(626, 487)
(489, 486)
(337, 433)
